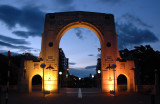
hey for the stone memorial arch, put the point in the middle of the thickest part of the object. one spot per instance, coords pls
(56, 24)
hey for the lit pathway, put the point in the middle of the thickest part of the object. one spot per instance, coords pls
(79, 93)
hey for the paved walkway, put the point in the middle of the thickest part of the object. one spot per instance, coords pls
(78, 96)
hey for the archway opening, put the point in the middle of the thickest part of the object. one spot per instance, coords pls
(122, 83)
(78, 56)
(37, 83)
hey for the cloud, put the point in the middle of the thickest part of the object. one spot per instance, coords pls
(81, 72)
(24, 34)
(29, 17)
(128, 17)
(78, 32)
(90, 55)
(64, 5)
(12, 40)
(129, 34)
(72, 63)
(13, 46)
(91, 67)
(9, 15)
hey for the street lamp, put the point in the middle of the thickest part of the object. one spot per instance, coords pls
(60, 73)
(98, 78)
(43, 65)
(99, 71)
(92, 76)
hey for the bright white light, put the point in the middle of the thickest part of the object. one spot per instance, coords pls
(92, 76)
(66, 75)
(60, 73)
(99, 71)
(79, 78)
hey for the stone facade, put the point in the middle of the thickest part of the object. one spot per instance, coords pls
(103, 25)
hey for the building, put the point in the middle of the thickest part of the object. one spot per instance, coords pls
(63, 69)
(56, 25)
(63, 62)
(98, 73)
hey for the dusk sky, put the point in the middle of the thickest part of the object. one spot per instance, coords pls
(22, 23)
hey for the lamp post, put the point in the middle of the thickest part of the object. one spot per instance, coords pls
(67, 76)
(99, 78)
(43, 65)
(60, 73)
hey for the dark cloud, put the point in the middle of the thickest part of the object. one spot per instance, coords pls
(33, 19)
(29, 17)
(23, 34)
(13, 40)
(78, 32)
(9, 15)
(90, 55)
(13, 46)
(129, 34)
(81, 72)
(91, 67)
(133, 18)
(72, 63)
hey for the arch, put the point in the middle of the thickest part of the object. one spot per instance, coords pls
(122, 83)
(80, 24)
(103, 25)
(36, 83)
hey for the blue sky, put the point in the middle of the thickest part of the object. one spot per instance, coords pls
(22, 21)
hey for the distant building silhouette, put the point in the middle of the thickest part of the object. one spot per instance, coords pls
(63, 69)
(63, 62)
(98, 72)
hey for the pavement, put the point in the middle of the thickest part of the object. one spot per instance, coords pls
(78, 96)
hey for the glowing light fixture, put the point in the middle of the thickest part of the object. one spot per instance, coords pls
(99, 71)
(60, 73)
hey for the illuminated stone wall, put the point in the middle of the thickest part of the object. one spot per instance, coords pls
(56, 24)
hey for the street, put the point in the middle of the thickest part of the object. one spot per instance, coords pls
(77, 96)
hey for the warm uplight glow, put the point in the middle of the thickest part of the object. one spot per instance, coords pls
(111, 85)
(49, 83)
